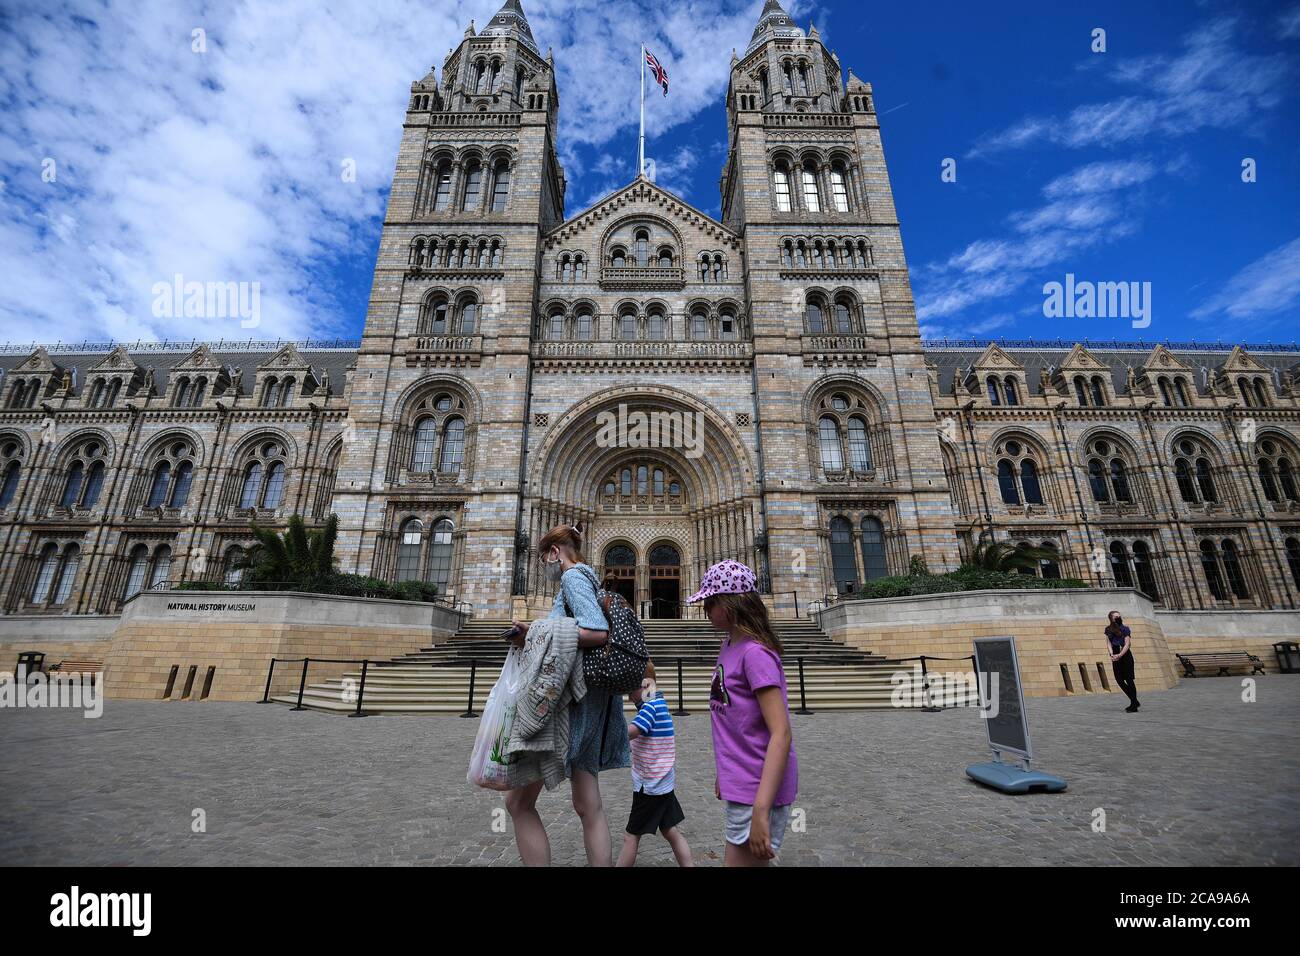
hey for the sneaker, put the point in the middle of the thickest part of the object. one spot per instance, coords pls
(1130, 709)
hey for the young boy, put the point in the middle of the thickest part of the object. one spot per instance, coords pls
(654, 754)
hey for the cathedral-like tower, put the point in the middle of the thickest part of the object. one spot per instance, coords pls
(850, 448)
(429, 483)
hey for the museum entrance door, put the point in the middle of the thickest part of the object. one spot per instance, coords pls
(665, 581)
(619, 567)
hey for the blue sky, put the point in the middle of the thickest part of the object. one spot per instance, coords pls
(127, 156)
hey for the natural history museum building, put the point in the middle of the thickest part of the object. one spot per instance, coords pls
(830, 445)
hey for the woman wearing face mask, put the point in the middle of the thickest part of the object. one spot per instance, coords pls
(1120, 639)
(597, 733)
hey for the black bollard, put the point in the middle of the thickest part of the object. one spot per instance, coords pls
(681, 710)
(803, 696)
(469, 705)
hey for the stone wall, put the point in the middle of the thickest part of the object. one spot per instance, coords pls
(62, 637)
(238, 633)
(1051, 627)
(1253, 631)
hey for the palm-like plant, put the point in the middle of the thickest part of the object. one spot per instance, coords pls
(294, 558)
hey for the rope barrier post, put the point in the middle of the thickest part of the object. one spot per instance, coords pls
(681, 710)
(469, 704)
(803, 697)
(302, 683)
(926, 706)
(266, 694)
(361, 691)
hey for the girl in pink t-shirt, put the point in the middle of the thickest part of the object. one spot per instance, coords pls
(753, 746)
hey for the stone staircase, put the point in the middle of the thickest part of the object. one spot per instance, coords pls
(436, 679)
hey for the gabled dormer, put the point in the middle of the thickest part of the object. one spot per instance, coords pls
(1085, 378)
(35, 380)
(113, 378)
(997, 379)
(196, 380)
(285, 380)
(1244, 378)
(1167, 379)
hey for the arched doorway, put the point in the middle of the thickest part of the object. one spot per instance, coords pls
(665, 581)
(619, 569)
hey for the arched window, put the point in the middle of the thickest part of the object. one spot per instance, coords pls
(72, 485)
(1210, 566)
(583, 325)
(252, 486)
(811, 198)
(161, 480)
(1146, 579)
(1119, 480)
(1180, 389)
(453, 446)
(643, 248)
(442, 186)
(1007, 483)
(440, 546)
(468, 316)
(1293, 559)
(1205, 480)
(161, 568)
(9, 483)
(422, 448)
(286, 392)
(1165, 395)
(839, 189)
(67, 574)
(1276, 473)
(1029, 482)
(1098, 391)
(642, 480)
(234, 570)
(995, 395)
(138, 572)
(1081, 389)
(618, 258)
(843, 562)
(274, 485)
(1232, 569)
(699, 326)
(625, 481)
(264, 476)
(473, 186)
(1009, 386)
(727, 326)
(555, 325)
(665, 258)
(1050, 567)
(873, 549)
(1119, 565)
(627, 326)
(409, 542)
(655, 322)
(1097, 481)
(500, 186)
(781, 184)
(1261, 393)
(816, 323)
(859, 449)
(49, 565)
(181, 486)
(843, 317)
(828, 435)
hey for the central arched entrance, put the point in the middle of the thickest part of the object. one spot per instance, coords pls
(665, 581)
(619, 569)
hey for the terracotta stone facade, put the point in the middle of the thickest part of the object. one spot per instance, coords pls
(800, 422)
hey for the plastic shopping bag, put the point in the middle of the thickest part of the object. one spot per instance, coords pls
(488, 764)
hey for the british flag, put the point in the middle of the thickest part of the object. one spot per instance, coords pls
(661, 75)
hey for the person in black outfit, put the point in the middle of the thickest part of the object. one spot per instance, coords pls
(1121, 658)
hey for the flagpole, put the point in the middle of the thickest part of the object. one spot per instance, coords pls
(640, 149)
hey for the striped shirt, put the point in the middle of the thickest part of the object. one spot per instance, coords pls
(654, 753)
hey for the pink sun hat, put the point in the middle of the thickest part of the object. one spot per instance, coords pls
(725, 577)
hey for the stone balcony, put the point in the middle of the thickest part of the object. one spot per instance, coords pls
(837, 349)
(642, 277)
(691, 352)
(432, 350)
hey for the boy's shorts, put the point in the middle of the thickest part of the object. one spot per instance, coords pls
(651, 812)
(739, 816)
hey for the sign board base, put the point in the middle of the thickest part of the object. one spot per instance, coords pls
(1012, 779)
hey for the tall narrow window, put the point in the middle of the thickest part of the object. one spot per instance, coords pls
(811, 198)
(440, 546)
(1029, 481)
(1007, 483)
(408, 550)
(72, 487)
(781, 180)
(158, 490)
(135, 577)
(816, 325)
(843, 318)
(995, 397)
(473, 186)
(67, 574)
(9, 484)
(839, 190)
(1210, 565)
(181, 486)
(274, 486)
(426, 439)
(832, 451)
(501, 186)
(1232, 568)
(94, 485)
(453, 446)
(1146, 579)
(442, 187)
(252, 486)
(162, 567)
(859, 450)
(642, 249)
(1119, 565)
(1119, 480)
(873, 549)
(468, 317)
(45, 576)
(842, 561)
(584, 325)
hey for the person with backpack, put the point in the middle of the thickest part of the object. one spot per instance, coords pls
(598, 739)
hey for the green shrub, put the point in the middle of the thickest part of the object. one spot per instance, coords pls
(968, 577)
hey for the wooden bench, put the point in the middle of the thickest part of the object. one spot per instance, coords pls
(1220, 659)
(78, 667)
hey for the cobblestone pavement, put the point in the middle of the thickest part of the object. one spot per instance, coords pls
(1197, 777)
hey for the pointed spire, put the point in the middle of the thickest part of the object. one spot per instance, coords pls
(469, 30)
(511, 22)
(773, 21)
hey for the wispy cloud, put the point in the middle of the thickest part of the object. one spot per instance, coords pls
(1212, 83)
(227, 165)
(1263, 292)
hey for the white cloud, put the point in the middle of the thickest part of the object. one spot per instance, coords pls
(225, 166)
(1211, 84)
(1265, 289)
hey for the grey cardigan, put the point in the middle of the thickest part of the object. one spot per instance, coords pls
(551, 673)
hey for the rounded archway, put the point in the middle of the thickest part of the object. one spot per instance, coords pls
(665, 567)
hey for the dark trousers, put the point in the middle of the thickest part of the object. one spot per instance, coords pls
(1123, 670)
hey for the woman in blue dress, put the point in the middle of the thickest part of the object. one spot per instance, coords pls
(597, 730)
